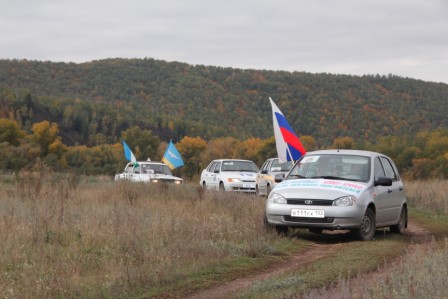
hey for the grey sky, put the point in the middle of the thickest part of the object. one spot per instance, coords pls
(408, 38)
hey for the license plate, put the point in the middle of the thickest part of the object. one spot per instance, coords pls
(307, 213)
(248, 185)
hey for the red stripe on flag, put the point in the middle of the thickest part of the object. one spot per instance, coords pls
(292, 140)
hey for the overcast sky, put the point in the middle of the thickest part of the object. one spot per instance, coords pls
(408, 38)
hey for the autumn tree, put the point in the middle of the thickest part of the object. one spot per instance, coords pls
(267, 150)
(220, 148)
(308, 142)
(143, 143)
(191, 149)
(45, 134)
(343, 143)
(249, 149)
(10, 132)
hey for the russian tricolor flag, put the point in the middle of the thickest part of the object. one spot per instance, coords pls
(289, 147)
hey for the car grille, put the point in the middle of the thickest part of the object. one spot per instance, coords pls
(308, 220)
(166, 180)
(314, 202)
(243, 189)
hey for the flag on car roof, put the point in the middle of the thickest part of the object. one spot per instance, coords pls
(128, 153)
(289, 147)
(172, 157)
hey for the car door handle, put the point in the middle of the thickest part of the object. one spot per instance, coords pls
(389, 191)
(401, 188)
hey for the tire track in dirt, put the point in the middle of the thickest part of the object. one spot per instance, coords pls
(294, 262)
(302, 259)
(355, 287)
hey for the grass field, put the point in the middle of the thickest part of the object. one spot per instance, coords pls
(65, 236)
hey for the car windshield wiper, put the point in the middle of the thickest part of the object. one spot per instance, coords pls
(295, 176)
(329, 177)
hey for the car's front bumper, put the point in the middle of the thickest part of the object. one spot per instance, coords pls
(335, 217)
(246, 187)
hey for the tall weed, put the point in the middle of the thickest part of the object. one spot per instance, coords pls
(66, 236)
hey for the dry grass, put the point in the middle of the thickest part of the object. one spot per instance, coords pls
(67, 236)
(424, 273)
(430, 196)
(64, 236)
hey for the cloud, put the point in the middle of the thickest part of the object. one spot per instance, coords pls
(402, 37)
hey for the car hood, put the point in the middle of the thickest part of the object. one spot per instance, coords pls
(242, 175)
(148, 176)
(318, 188)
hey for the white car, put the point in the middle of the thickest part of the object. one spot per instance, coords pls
(340, 190)
(230, 175)
(148, 172)
(271, 173)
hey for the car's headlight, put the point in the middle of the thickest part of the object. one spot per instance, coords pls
(232, 180)
(154, 181)
(277, 198)
(345, 201)
(177, 182)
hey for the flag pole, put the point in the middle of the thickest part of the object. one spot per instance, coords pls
(166, 149)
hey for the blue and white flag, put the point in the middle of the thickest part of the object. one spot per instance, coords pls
(128, 153)
(172, 157)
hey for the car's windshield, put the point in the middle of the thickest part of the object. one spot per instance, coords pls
(332, 166)
(155, 168)
(277, 166)
(239, 166)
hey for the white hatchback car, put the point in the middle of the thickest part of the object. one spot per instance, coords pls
(339, 190)
(148, 172)
(230, 175)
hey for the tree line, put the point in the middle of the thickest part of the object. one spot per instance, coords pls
(422, 156)
(94, 102)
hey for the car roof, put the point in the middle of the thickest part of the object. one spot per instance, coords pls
(220, 160)
(148, 162)
(345, 152)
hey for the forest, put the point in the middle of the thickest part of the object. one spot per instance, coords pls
(73, 117)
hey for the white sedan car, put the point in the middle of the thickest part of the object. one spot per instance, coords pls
(271, 173)
(230, 175)
(148, 172)
(339, 190)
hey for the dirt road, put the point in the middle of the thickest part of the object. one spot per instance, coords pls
(295, 262)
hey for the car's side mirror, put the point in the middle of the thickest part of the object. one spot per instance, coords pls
(383, 181)
(216, 171)
(264, 171)
(279, 178)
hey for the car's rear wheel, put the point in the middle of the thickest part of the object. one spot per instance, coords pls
(402, 221)
(257, 191)
(368, 227)
(204, 185)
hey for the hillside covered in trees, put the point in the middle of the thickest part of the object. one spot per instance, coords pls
(72, 117)
(94, 102)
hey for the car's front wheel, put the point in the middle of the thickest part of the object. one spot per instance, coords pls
(368, 226)
(221, 186)
(402, 221)
(281, 229)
